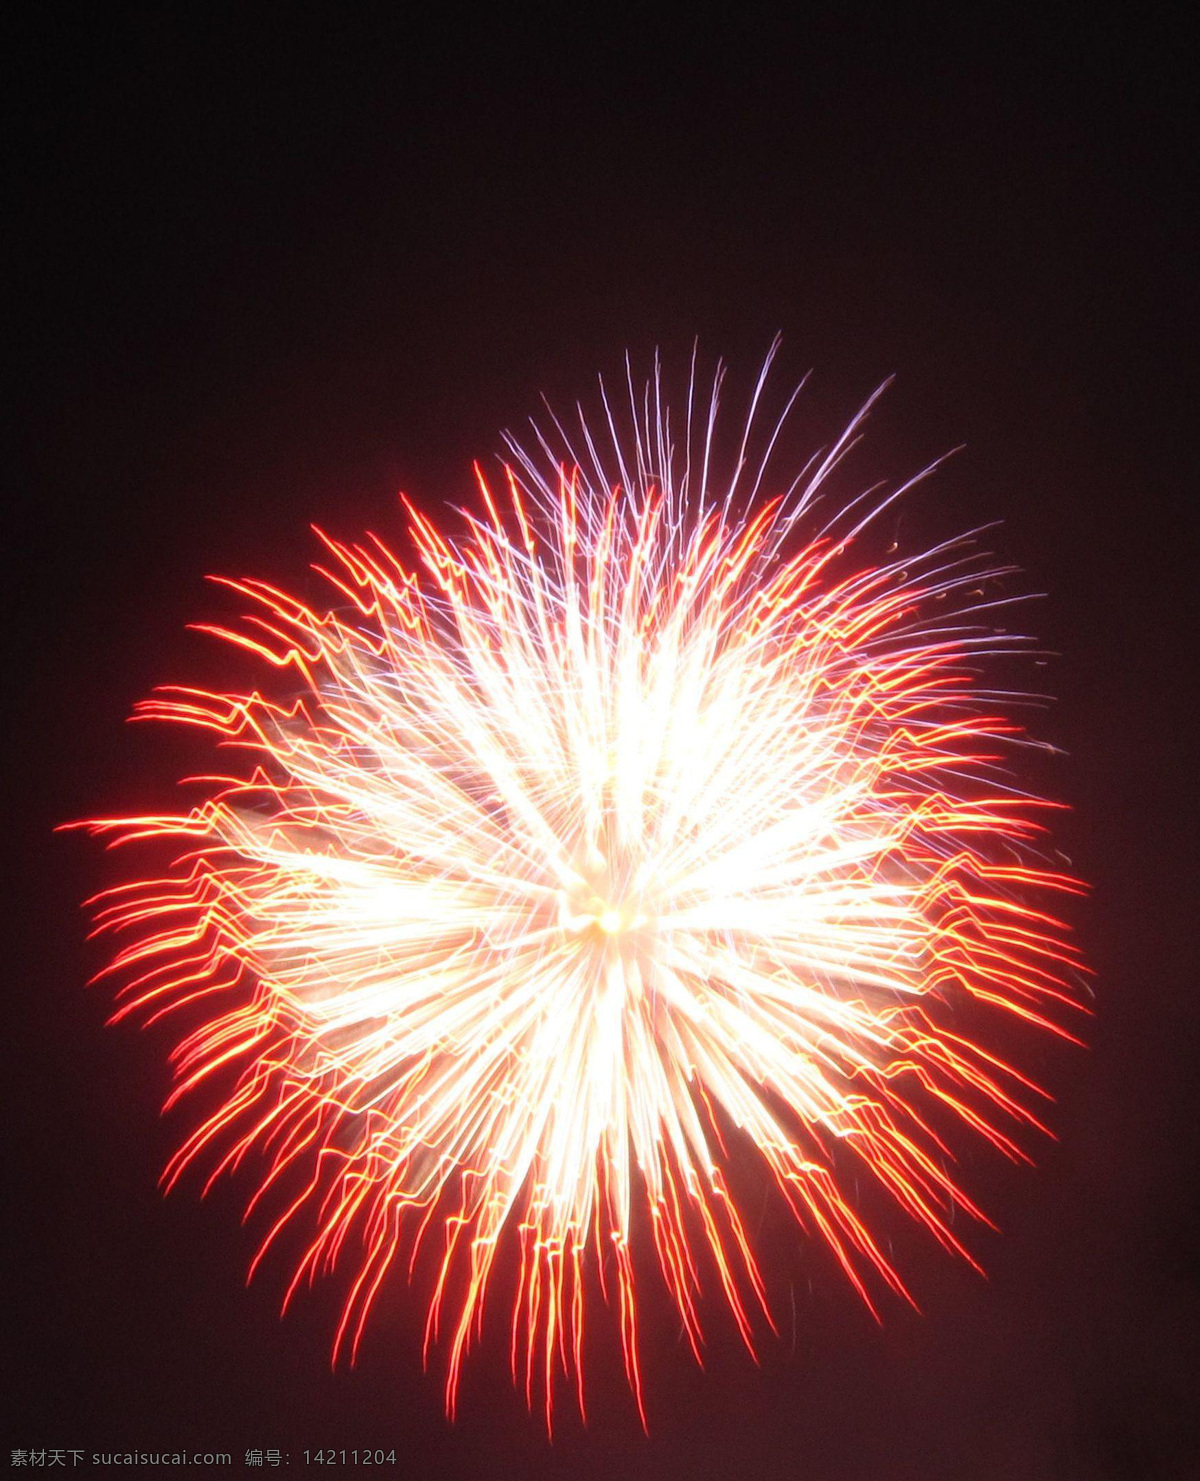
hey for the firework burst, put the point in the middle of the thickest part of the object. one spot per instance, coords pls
(635, 833)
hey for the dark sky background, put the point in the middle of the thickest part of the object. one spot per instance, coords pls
(272, 275)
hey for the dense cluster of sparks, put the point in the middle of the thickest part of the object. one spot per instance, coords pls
(636, 833)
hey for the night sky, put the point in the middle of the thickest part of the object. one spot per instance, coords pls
(270, 275)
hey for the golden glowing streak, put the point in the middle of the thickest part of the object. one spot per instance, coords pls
(638, 834)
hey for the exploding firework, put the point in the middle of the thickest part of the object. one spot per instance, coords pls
(640, 833)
